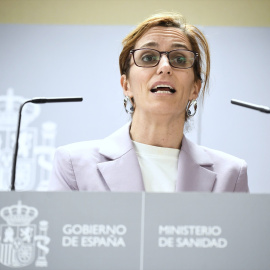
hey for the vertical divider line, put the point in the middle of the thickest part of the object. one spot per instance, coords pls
(142, 231)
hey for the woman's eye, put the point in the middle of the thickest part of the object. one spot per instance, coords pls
(180, 59)
(149, 58)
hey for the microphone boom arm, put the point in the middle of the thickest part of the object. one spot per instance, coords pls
(14, 163)
(260, 108)
(16, 147)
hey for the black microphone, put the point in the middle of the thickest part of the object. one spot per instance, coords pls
(55, 99)
(260, 108)
(37, 101)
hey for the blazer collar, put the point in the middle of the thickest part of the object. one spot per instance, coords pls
(121, 170)
(195, 168)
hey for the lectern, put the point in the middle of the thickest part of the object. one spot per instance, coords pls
(134, 231)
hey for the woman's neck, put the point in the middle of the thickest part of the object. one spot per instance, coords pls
(162, 131)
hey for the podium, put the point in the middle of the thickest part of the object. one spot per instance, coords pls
(134, 231)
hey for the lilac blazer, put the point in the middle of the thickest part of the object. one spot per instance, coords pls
(111, 164)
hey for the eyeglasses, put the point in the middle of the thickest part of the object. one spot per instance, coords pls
(177, 58)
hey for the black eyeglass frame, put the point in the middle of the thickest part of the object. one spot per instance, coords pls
(167, 54)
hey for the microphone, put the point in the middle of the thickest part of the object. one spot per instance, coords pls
(36, 101)
(56, 99)
(260, 108)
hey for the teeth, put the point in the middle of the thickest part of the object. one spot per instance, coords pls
(163, 85)
(167, 92)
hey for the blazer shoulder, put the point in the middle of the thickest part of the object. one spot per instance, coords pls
(207, 156)
(74, 162)
(229, 167)
(81, 150)
(221, 157)
(231, 171)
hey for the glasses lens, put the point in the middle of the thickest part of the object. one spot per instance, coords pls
(146, 58)
(181, 58)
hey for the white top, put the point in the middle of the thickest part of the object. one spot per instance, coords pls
(159, 166)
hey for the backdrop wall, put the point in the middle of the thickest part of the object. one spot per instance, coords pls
(69, 60)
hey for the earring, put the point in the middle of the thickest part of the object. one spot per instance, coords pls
(128, 105)
(189, 105)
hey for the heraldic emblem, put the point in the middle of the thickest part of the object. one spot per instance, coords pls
(19, 239)
(37, 145)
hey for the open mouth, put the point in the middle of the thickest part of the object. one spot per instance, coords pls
(166, 89)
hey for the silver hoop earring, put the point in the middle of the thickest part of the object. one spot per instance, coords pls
(189, 105)
(128, 105)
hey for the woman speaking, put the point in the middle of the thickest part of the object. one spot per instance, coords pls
(165, 68)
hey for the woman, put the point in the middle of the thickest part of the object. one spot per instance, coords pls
(165, 66)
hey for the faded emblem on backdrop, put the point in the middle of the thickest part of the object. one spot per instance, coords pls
(36, 145)
(23, 243)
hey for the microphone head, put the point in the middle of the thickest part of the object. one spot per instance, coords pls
(56, 99)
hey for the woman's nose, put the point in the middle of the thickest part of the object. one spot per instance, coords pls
(164, 65)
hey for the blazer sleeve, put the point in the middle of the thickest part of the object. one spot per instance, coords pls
(62, 176)
(242, 180)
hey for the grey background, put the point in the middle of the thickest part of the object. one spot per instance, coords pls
(67, 60)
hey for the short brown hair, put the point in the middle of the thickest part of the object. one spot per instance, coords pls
(196, 38)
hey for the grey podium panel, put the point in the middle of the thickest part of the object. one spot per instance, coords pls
(144, 231)
(207, 231)
(70, 231)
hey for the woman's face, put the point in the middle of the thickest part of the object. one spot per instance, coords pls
(141, 81)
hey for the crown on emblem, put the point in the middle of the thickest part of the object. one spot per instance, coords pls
(18, 214)
(9, 108)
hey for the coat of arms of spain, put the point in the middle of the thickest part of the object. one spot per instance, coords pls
(22, 243)
(36, 146)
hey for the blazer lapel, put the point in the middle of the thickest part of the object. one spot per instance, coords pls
(194, 169)
(121, 169)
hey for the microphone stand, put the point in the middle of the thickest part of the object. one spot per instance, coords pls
(16, 147)
(260, 108)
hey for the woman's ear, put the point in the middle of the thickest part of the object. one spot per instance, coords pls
(125, 85)
(196, 90)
